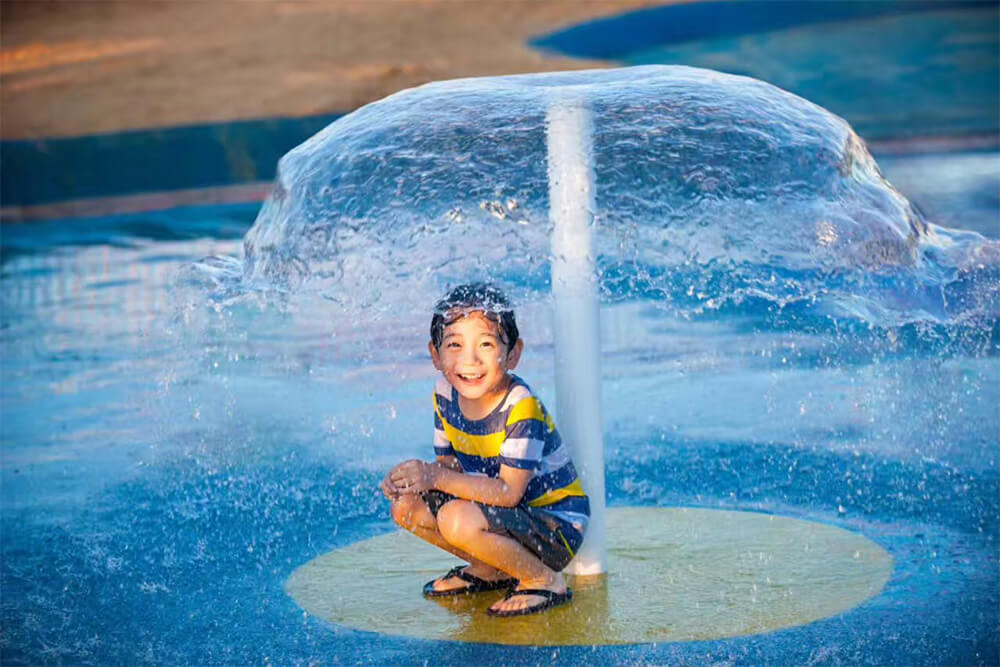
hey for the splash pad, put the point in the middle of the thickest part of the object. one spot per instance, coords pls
(712, 193)
(681, 574)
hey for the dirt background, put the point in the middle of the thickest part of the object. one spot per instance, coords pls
(81, 67)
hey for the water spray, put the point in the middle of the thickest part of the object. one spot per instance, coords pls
(576, 328)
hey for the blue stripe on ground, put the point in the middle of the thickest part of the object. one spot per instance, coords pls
(616, 36)
(44, 171)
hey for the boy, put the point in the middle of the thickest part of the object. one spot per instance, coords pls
(502, 494)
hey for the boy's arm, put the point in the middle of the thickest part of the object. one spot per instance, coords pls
(450, 462)
(505, 491)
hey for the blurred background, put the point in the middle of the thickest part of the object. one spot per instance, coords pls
(175, 440)
(213, 92)
(104, 99)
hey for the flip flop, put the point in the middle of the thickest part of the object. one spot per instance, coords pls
(476, 584)
(552, 599)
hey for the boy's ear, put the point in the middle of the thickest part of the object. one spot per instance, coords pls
(514, 355)
(435, 359)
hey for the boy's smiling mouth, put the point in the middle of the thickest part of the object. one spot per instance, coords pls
(471, 377)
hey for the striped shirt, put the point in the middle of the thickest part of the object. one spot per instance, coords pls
(518, 433)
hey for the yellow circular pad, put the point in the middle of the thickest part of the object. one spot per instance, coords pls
(674, 574)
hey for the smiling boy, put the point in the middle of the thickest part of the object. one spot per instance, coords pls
(502, 494)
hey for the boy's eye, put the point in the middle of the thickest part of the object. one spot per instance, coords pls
(453, 345)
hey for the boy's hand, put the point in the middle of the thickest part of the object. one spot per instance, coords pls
(389, 489)
(414, 476)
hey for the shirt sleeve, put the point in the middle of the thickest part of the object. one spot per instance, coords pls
(442, 447)
(524, 443)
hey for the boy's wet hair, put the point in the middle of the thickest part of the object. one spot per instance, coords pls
(470, 298)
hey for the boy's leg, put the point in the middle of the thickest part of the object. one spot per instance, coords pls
(462, 524)
(411, 512)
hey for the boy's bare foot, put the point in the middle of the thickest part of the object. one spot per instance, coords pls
(468, 579)
(515, 603)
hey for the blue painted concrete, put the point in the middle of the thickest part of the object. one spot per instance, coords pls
(616, 36)
(218, 154)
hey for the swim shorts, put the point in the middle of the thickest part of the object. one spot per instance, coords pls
(552, 539)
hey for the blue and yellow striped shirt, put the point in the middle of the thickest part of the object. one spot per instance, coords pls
(518, 433)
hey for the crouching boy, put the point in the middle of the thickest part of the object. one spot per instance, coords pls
(502, 494)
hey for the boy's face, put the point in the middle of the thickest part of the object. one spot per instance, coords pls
(474, 360)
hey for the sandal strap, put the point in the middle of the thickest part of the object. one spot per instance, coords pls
(459, 571)
(551, 599)
(540, 592)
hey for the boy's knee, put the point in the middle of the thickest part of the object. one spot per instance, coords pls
(460, 520)
(404, 509)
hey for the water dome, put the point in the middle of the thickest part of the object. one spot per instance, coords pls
(711, 189)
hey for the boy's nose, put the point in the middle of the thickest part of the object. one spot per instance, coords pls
(469, 356)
